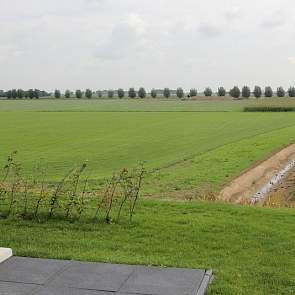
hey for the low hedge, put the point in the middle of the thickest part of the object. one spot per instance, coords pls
(269, 109)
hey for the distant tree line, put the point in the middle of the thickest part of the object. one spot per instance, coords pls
(257, 92)
(20, 93)
(235, 92)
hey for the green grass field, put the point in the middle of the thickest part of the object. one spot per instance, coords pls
(185, 145)
(181, 149)
(251, 250)
(140, 105)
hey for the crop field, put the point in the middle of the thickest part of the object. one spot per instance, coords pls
(184, 144)
(214, 104)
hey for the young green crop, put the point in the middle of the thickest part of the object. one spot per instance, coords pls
(181, 149)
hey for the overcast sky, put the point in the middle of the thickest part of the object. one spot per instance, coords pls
(104, 44)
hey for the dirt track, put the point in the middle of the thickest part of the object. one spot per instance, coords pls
(248, 183)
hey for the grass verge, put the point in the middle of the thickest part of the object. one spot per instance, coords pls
(251, 250)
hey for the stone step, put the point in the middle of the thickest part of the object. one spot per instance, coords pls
(5, 253)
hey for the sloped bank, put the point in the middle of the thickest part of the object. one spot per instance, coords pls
(254, 184)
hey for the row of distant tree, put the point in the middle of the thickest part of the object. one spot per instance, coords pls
(257, 92)
(235, 92)
(19, 93)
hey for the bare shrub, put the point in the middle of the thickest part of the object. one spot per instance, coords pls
(123, 188)
(34, 198)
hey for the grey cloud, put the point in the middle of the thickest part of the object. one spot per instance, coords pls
(275, 21)
(232, 14)
(126, 39)
(122, 40)
(209, 30)
(94, 3)
(64, 36)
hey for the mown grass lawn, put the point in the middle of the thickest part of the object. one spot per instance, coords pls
(251, 250)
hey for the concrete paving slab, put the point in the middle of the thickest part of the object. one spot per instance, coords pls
(205, 282)
(31, 276)
(95, 276)
(67, 291)
(8, 288)
(164, 281)
(30, 270)
(5, 253)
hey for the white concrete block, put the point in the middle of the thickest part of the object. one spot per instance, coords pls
(5, 253)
